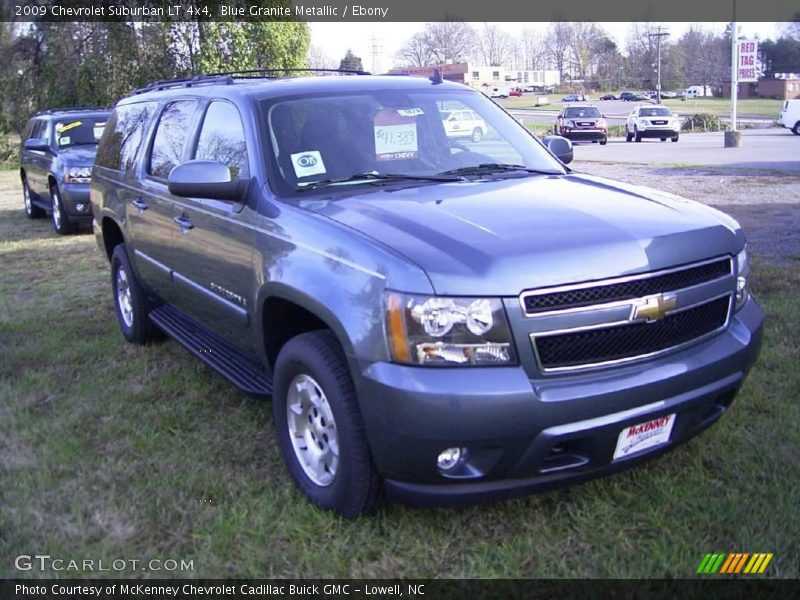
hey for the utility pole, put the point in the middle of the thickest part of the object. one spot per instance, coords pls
(376, 51)
(659, 33)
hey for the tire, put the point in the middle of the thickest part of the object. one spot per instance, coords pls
(131, 308)
(312, 366)
(477, 134)
(636, 135)
(31, 210)
(628, 135)
(675, 138)
(796, 128)
(663, 139)
(604, 141)
(58, 216)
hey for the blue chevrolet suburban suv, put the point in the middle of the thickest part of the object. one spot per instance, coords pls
(56, 158)
(437, 321)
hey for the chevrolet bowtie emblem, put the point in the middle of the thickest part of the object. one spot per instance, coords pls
(655, 307)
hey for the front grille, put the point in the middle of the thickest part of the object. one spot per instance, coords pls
(626, 290)
(630, 340)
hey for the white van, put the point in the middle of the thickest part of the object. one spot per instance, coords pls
(790, 116)
(499, 91)
(697, 91)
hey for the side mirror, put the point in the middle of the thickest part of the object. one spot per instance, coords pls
(561, 147)
(37, 144)
(206, 179)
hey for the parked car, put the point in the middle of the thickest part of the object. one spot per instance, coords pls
(434, 323)
(608, 97)
(464, 123)
(499, 91)
(698, 91)
(789, 116)
(652, 122)
(628, 96)
(582, 123)
(572, 98)
(516, 93)
(55, 163)
(668, 95)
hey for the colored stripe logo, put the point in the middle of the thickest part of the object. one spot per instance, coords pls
(735, 562)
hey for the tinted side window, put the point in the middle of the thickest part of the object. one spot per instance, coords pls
(171, 135)
(222, 138)
(36, 128)
(123, 135)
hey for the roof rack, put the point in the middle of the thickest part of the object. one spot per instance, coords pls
(51, 111)
(228, 77)
(276, 73)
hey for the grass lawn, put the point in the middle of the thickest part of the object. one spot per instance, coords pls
(749, 107)
(111, 451)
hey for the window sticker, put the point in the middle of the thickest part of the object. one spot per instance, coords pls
(308, 163)
(63, 140)
(98, 129)
(62, 127)
(395, 135)
(410, 112)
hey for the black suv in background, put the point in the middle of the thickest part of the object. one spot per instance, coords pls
(56, 158)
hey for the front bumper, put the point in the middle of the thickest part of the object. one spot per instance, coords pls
(73, 196)
(581, 135)
(526, 435)
(658, 132)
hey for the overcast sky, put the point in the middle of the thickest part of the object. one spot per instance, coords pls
(336, 38)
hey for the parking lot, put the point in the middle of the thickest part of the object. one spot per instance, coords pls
(771, 149)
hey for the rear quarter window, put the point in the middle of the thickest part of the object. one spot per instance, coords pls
(123, 136)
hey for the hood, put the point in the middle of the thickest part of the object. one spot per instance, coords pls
(78, 156)
(501, 237)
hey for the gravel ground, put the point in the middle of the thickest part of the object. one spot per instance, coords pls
(766, 204)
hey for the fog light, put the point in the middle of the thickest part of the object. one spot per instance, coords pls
(450, 458)
(80, 206)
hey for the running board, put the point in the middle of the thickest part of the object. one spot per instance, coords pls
(240, 368)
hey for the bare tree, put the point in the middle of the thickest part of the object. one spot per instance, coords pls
(416, 52)
(533, 48)
(558, 41)
(318, 59)
(496, 45)
(449, 40)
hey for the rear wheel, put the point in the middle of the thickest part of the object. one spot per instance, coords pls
(796, 128)
(636, 135)
(130, 300)
(628, 135)
(319, 427)
(31, 210)
(477, 134)
(663, 139)
(61, 223)
(676, 137)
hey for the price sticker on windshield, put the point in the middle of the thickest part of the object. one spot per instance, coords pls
(395, 136)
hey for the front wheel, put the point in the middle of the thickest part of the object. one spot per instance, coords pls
(675, 137)
(796, 128)
(477, 134)
(130, 300)
(628, 135)
(31, 210)
(636, 135)
(604, 141)
(319, 427)
(61, 224)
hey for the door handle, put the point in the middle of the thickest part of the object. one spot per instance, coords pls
(184, 223)
(140, 204)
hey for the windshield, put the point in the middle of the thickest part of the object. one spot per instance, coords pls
(79, 131)
(654, 112)
(583, 112)
(349, 140)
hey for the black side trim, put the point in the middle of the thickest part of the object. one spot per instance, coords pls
(242, 369)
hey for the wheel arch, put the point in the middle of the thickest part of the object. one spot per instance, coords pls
(284, 312)
(112, 235)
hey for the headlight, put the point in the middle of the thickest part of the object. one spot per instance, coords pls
(77, 175)
(643, 122)
(448, 331)
(742, 272)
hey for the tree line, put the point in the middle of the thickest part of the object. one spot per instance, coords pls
(585, 52)
(48, 65)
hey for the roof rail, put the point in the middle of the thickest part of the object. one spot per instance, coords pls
(164, 84)
(51, 111)
(269, 73)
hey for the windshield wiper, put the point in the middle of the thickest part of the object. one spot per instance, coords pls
(375, 177)
(496, 168)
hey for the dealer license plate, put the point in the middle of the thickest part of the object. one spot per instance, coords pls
(644, 435)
